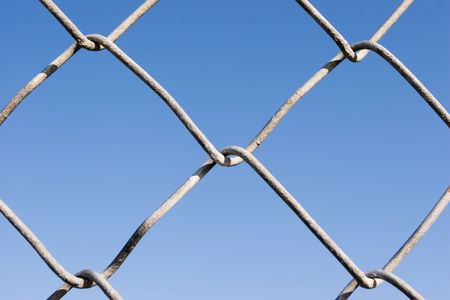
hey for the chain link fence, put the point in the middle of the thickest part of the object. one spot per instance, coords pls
(230, 156)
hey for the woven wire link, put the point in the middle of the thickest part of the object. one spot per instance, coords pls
(230, 156)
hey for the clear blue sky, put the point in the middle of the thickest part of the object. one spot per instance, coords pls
(93, 151)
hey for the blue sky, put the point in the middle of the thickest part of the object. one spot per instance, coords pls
(92, 152)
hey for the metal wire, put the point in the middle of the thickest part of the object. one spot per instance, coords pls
(229, 156)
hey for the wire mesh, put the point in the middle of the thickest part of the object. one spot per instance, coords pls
(230, 156)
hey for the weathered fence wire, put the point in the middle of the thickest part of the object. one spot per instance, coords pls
(229, 156)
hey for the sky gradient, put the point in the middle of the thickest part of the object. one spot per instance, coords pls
(93, 151)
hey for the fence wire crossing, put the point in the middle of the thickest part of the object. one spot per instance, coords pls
(230, 156)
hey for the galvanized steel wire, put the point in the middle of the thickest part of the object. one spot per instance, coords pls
(229, 156)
